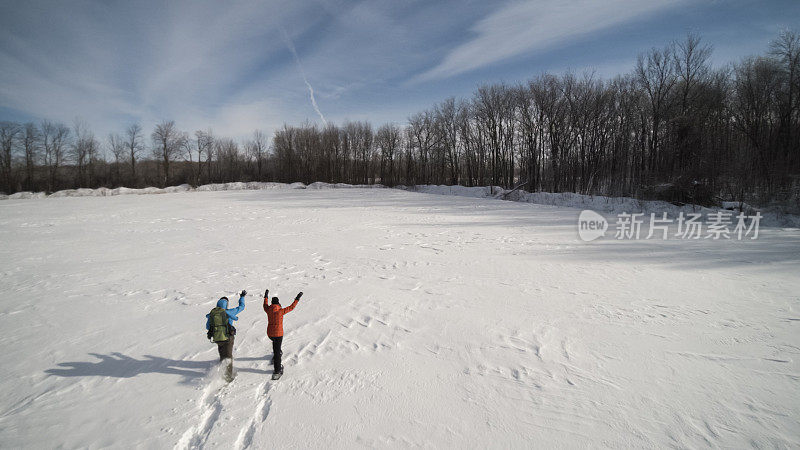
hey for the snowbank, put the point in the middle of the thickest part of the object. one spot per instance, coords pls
(461, 191)
(612, 205)
(250, 186)
(105, 192)
(236, 186)
(321, 185)
(26, 194)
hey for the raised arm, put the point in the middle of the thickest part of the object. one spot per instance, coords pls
(266, 301)
(233, 312)
(289, 308)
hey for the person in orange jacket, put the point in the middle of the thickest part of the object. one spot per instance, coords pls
(275, 328)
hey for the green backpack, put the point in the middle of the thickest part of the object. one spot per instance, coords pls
(218, 324)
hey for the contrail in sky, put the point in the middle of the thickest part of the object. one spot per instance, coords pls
(303, 73)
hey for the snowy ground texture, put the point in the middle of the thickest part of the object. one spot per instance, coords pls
(427, 320)
(772, 216)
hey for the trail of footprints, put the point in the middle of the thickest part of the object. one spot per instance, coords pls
(259, 417)
(211, 409)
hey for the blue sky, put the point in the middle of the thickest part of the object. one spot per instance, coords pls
(229, 66)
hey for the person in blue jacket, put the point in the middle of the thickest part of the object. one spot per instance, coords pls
(226, 347)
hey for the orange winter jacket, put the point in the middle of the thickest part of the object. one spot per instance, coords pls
(275, 315)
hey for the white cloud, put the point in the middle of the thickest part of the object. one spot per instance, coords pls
(528, 26)
(147, 63)
(237, 119)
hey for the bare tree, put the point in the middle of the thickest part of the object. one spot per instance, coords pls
(257, 150)
(55, 139)
(93, 157)
(655, 72)
(228, 159)
(548, 97)
(204, 142)
(9, 135)
(360, 139)
(387, 141)
(757, 81)
(167, 143)
(31, 140)
(79, 150)
(785, 49)
(133, 146)
(331, 153)
(447, 118)
(494, 107)
(119, 150)
(691, 65)
(422, 140)
(283, 142)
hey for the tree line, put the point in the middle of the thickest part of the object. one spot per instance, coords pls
(674, 128)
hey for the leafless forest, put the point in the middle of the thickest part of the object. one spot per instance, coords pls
(674, 128)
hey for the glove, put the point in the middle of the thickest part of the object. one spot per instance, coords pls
(266, 293)
(209, 334)
(243, 293)
(298, 296)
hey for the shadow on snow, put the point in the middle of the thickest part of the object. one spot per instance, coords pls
(117, 365)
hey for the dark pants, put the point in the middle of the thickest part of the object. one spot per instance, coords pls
(225, 349)
(276, 352)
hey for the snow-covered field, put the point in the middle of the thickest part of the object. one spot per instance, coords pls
(427, 320)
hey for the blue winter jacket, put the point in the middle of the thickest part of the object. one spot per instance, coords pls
(232, 313)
